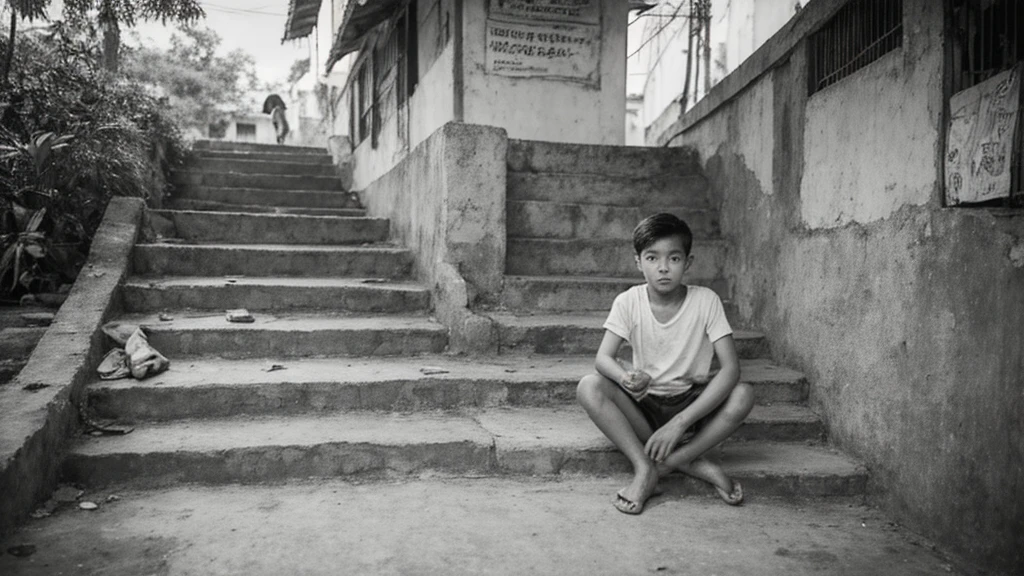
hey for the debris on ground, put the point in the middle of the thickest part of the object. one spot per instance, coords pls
(22, 550)
(113, 498)
(35, 386)
(375, 281)
(510, 370)
(97, 274)
(274, 368)
(165, 317)
(239, 315)
(138, 359)
(430, 370)
(88, 505)
(114, 365)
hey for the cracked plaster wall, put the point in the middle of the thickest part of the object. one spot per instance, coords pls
(908, 317)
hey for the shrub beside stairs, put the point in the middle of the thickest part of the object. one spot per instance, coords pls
(344, 372)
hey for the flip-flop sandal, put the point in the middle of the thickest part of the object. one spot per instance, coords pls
(734, 498)
(627, 506)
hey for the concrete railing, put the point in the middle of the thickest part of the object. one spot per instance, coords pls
(446, 203)
(38, 409)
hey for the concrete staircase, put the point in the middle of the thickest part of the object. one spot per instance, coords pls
(343, 372)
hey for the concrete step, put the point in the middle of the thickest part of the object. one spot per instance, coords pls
(581, 334)
(565, 220)
(253, 166)
(241, 228)
(268, 198)
(535, 294)
(642, 191)
(311, 157)
(19, 342)
(193, 179)
(290, 335)
(271, 260)
(536, 156)
(491, 442)
(213, 206)
(224, 146)
(605, 258)
(218, 388)
(139, 294)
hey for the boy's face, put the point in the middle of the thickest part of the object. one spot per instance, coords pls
(664, 263)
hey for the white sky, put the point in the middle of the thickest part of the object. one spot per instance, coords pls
(255, 26)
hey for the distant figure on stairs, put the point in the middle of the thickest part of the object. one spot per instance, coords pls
(667, 410)
(274, 106)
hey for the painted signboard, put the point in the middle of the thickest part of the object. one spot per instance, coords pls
(568, 51)
(982, 139)
(578, 11)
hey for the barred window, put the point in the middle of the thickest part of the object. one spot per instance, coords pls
(861, 32)
(986, 40)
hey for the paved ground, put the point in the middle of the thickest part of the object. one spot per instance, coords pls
(460, 526)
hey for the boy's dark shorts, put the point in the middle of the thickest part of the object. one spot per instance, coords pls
(658, 410)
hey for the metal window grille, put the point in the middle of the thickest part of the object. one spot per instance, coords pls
(861, 32)
(986, 39)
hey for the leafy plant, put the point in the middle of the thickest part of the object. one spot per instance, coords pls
(71, 136)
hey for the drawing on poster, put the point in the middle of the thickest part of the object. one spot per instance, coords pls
(568, 51)
(577, 11)
(982, 138)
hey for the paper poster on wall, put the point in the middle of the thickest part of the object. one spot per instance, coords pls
(578, 11)
(982, 139)
(568, 51)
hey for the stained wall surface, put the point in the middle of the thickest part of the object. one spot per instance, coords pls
(907, 316)
(544, 108)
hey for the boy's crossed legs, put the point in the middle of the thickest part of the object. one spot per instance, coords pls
(619, 418)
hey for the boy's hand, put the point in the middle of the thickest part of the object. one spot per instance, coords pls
(664, 440)
(636, 382)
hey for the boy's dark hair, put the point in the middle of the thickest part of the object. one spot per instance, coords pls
(663, 225)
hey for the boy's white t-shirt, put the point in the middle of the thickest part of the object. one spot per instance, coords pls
(678, 353)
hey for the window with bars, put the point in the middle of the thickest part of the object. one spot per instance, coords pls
(861, 32)
(398, 53)
(986, 41)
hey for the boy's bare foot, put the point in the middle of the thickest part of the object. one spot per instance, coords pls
(708, 471)
(632, 498)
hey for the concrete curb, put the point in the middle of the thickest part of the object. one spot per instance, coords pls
(37, 424)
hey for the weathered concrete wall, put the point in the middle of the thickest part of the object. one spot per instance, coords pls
(37, 424)
(549, 109)
(446, 202)
(906, 315)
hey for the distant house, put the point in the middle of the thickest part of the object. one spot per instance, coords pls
(243, 128)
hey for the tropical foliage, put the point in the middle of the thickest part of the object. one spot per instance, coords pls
(71, 136)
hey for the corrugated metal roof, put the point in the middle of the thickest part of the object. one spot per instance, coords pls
(359, 20)
(302, 15)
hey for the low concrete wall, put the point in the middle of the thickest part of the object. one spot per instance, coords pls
(37, 425)
(907, 316)
(446, 202)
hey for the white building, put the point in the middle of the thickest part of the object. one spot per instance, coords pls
(549, 70)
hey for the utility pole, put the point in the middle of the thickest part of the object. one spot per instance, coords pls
(689, 58)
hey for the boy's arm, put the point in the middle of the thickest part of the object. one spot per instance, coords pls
(664, 440)
(605, 363)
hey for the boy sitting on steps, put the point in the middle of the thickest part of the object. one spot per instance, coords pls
(666, 412)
